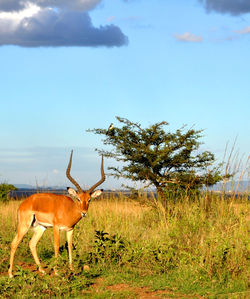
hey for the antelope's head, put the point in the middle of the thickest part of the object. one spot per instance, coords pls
(84, 196)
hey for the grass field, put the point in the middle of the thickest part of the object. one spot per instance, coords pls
(137, 249)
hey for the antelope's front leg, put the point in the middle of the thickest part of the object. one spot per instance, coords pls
(56, 245)
(69, 239)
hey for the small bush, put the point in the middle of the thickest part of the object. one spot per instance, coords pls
(107, 248)
(4, 191)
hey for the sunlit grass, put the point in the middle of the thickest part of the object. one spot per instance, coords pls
(200, 246)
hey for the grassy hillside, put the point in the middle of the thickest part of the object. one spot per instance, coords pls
(126, 249)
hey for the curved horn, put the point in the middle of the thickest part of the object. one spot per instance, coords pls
(101, 180)
(70, 177)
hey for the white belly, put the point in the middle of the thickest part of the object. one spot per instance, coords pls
(45, 224)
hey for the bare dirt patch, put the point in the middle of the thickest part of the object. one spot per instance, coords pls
(140, 292)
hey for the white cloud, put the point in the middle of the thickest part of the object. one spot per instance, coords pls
(110, 19)
(54, 23)
(188, 37)
(10, 20)
(245, 30)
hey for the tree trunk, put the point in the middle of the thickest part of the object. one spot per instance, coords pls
(161, 195)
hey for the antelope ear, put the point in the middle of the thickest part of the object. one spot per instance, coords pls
(72, 192)
(96, 193)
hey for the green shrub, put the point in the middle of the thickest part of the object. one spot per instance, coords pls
(107, 248)
(4, 191)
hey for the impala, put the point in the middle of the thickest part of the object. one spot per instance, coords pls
(61, 212)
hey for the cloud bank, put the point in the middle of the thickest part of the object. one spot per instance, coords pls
(54, 23)
(46, 166)
(233, 7)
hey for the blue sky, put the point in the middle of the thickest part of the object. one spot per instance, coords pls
(78, 64)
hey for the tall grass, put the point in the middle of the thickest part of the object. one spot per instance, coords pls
(199, 246)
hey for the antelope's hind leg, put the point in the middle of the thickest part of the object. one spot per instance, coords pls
(56, 245)
(38, 232)
(25, 221)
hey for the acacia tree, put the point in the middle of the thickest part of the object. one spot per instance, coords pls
(168, 161)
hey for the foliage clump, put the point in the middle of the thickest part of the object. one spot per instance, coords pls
(4, 191)
(107, 248)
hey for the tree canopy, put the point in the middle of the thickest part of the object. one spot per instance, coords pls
(158, 157)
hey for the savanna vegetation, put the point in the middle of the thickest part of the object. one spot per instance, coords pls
(183, 242)
(138, 249)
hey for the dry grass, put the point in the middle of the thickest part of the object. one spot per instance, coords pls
(196, 242)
